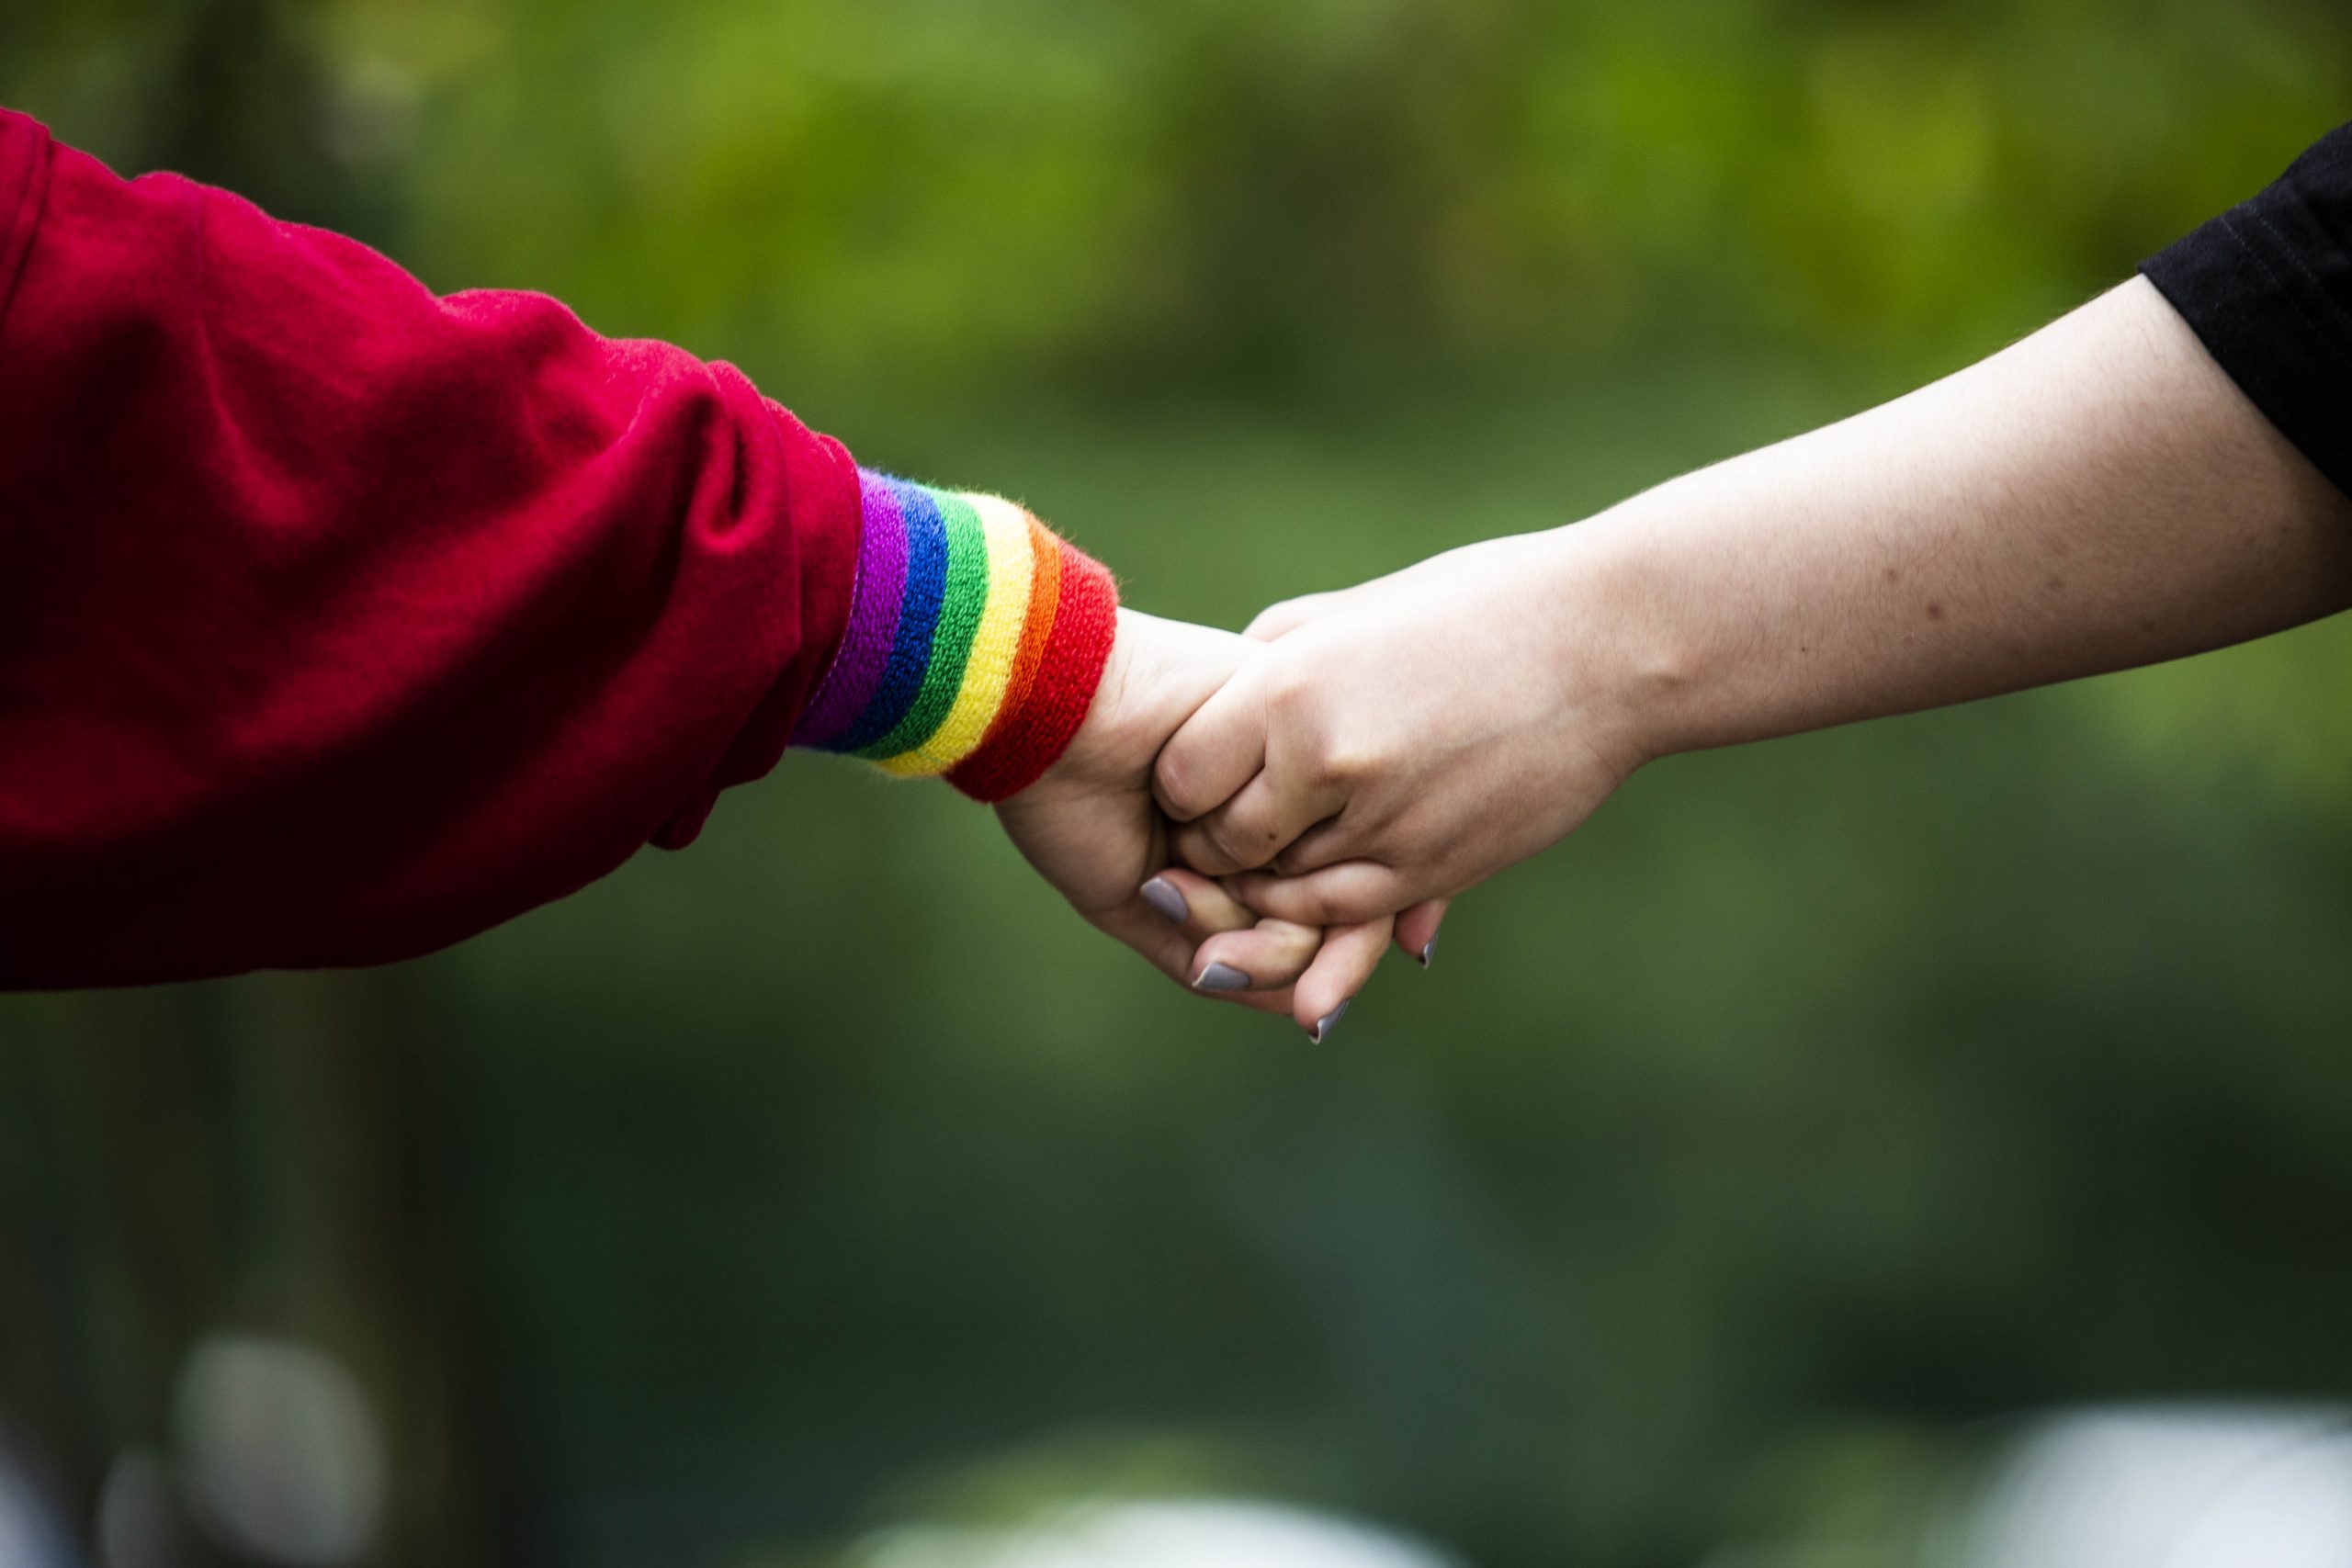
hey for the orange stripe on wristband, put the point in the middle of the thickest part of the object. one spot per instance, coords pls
(1045, 603)
(1062, 653)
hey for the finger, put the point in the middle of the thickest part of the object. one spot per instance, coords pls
(1348, 955)
(1168, 950)
(1338, 894)
(1277, 1004)
(1275, 619)
(1163, 946)
(1338, 837)
(1213, 753)
(1251, 828)
(1267, 954)
(1196, 905)
(1269, 957)
(1417, 929)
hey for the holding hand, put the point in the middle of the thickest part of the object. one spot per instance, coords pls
(1090, 827)
(1395, 743)
(2097, 496)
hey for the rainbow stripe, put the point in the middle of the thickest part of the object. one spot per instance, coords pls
(976, 637)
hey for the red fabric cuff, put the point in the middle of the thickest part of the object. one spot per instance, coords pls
(1030, 736)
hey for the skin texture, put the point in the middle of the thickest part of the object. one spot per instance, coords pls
(1091, 828)
(2097, 496)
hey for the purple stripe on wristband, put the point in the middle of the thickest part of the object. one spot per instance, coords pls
(873, 628)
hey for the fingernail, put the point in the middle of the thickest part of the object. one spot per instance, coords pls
(1429, 950)
(1168, 900)
(1221, 977)
(1323, 1025)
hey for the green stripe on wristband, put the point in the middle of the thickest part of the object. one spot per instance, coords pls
(963, 600)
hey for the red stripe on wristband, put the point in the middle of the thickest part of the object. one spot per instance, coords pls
(1030, 734)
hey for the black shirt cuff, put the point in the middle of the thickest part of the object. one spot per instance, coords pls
(2268, 287)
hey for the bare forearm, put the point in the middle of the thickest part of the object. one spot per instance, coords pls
(2099, 495)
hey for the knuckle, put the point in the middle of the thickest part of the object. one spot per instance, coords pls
(1314, 909)
(1282, 615)
(1341, 765)
(1240, 847)
(1196, 847)
(1306, 854)
(1282, 900)
(1278, 614)
(1177, 788)
(1290, 688)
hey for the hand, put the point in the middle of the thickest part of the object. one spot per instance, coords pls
(1395, 743)
(2097, 496)
(1091, 828)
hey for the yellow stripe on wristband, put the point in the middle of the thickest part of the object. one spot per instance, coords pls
(989, 667)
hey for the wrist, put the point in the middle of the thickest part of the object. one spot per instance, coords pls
(1101, 745)
(976, 642)
(1156, 672)
(1638, 666)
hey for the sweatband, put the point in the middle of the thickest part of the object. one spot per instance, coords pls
(976, 639)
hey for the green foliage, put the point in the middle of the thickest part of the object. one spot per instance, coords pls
(891, 192)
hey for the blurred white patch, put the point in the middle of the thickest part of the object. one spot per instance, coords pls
(1194, 1534)
(2169, 1488)
(277, 1451)
(29, 1534)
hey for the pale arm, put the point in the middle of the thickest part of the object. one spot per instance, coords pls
(2099, 495)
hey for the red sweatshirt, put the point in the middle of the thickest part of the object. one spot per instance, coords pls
(339, 621)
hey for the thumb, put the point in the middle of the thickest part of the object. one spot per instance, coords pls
(1291, 614)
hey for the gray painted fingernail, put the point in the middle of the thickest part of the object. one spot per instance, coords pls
(1221, 977)
(1323, 1025)
(1168, 900)
(1428, 951)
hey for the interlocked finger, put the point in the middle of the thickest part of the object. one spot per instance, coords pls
(1269, 957)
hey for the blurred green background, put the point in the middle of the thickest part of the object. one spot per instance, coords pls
(1813, 1104)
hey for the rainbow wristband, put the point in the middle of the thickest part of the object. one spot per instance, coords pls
(976, 637)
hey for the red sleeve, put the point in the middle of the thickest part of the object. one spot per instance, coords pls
(339, 621)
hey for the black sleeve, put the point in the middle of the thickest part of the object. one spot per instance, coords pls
(2267, 286)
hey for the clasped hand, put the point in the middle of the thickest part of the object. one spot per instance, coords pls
(1259, 815)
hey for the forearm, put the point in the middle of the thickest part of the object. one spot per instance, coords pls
(343, 620)
(2099, 495)
(2102, 494)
